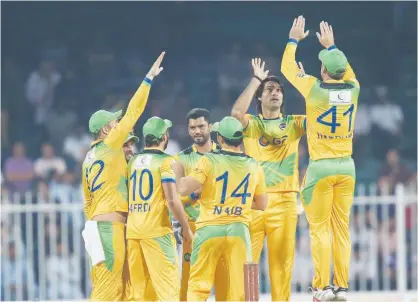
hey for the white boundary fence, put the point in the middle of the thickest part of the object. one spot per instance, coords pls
(43, 255)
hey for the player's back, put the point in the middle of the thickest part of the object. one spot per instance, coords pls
(331, 109)
(148, 211)
(229, 189)
(104, 171)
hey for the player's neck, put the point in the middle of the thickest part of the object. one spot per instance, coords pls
(207, 147)
(267, 114)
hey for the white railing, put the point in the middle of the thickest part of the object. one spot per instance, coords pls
(43, 255)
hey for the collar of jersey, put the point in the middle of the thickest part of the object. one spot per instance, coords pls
(94, 143)
(334, 81)
(153, 150)
(231, 152)
(214, 148)
(270, 119)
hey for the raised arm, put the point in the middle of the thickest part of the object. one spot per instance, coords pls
(136, 107)
(289, 68)
(326, 38)
(240, 108)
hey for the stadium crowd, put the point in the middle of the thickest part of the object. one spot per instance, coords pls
(53, 81)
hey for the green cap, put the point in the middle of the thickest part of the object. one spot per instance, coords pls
(131, 136)
(334, 61)
(100, 118)
(156, 126)
(229, 127)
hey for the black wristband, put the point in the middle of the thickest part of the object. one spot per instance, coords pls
(258, 78)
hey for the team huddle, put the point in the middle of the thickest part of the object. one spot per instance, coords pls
(223, 199)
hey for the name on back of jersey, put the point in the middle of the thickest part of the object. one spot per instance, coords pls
(142, 161)
(340, 97)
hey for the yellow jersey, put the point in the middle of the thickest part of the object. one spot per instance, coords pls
(274, 144)
(331, 108)
(104, 167)
(148, 210)
(230, 181)
(189, 157)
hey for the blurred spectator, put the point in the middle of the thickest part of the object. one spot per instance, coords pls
(393, 172)
(61, 121)
(387, 118)
(363, 123)
(64, 276)
(18, 170)
(49, 163)
(63, 189)
(17, 275)
(223, 108)
(40, 89)
(42, 192)
(77, 144)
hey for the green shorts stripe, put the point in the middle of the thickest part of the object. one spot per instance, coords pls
(237, 229)
(320, 169)
(106, 237)
(166, 244)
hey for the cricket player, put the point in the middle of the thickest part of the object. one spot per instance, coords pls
(231, 183)
(128, 150)
(272, 139)
(328, 185)
(198, 123)
(105, 192)
(152, 253)
(129, 145)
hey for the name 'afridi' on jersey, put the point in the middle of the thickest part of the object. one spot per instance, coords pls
(331, 106)
(104, 167)
(148, 209)
(274, 144)
(190, 157)
(230, 182)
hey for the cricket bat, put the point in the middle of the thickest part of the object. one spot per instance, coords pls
(251, 282)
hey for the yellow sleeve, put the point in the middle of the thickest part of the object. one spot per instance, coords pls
(167, 173)
(302, 82)
(251, 128)
(176, 157)
(300, 122)
(117, 136)
(202, 170)
(87, 196)
(261, 186)
(350, 76)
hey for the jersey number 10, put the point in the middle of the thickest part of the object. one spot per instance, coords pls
(333, 112)
(244, 183)
(140, 187)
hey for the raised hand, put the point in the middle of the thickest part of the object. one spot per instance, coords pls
(156, 67)
(297, 31)
(258, 67)
(326, 37)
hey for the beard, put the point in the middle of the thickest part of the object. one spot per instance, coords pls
(129, 155)
(200, 141)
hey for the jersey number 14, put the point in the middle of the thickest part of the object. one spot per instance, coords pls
(243, 183)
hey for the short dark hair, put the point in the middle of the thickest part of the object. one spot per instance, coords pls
(197, 113)
(236, 142)
(336, 77)
(260, 90)
(152, 140)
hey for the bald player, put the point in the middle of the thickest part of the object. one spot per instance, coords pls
(105, 192)
(328, 186)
